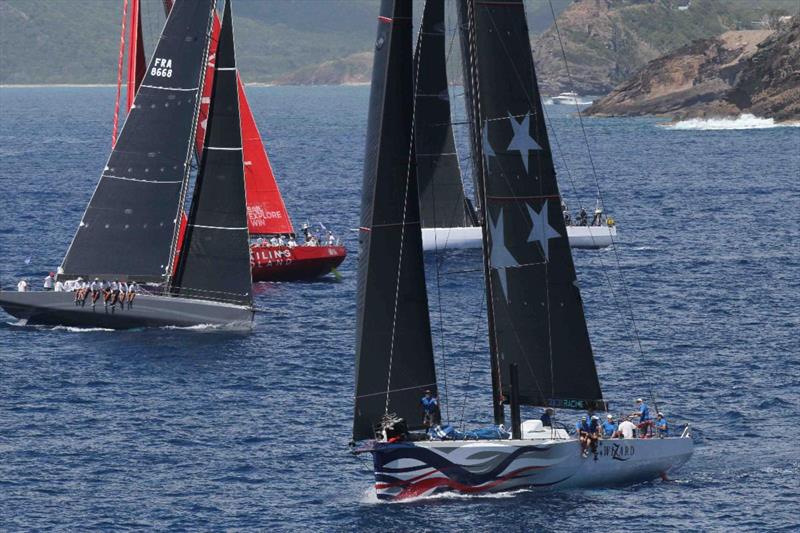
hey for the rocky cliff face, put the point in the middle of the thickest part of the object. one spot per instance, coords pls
(606, 41)
(737, 72)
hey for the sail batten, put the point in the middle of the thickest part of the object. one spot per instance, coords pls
(394, 351)
(536, 308)
(128, 227)
(441, 192)
(215, 258)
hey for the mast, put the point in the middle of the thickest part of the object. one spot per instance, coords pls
(136, 60)
(471, 91)
(394, 351)
(129, 226)
(215, 256)
(536, 310)
(441, 192)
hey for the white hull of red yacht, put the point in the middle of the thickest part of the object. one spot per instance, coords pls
(415, 469)
(470, 237)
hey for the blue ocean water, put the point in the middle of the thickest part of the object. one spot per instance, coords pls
(209, 430)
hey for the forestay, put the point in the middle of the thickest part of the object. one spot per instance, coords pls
(128, 229)
(535, 303)
(394, 354)
(215, 258)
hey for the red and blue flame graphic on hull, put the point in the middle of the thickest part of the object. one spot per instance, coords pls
(489, 470)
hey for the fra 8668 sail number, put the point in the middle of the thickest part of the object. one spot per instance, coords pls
(161, 67)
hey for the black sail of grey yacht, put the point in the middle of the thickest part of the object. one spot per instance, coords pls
(130, 229)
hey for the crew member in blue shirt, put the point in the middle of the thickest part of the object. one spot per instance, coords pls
(547, 417)
(609, 426)
(645, 420)
(589, 432)
(661, 426)
(430, 409)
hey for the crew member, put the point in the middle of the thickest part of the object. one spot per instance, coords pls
(106, 288)
(645, 420)
(661, 426)
(48, 282)
(96, 288)
(627, 429)
(583, 217)
(430, 409)
(598, 214)
(22, 286)
(547, 417)
(133, 288)
(123, 293)
(609, 426)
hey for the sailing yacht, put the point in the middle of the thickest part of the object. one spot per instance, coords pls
(130, 227)
(449, 219)
(269, 224)
(540, 352)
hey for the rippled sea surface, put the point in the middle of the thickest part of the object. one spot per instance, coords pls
(208, 430)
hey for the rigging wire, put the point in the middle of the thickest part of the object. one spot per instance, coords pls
(600, 196)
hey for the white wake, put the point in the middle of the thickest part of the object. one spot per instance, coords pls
(742, 122)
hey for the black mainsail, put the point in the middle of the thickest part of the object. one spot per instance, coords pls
(215, 256)
(394, 352)
(129, 228)
(535, 304)
(441, 192)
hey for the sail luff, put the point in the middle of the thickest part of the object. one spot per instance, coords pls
(394, 351)
(442, 200)
(536, 304)
(129, 225)
(472, 92)
(215, 259)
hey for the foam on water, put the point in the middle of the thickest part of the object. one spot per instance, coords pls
(742, 122)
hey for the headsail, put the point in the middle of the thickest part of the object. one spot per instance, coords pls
(215, 257)
(536, 306)
(441, 192)
(266, 212)
(128, 228)
(394, 353)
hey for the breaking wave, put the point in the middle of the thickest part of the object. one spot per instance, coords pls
(742, 122)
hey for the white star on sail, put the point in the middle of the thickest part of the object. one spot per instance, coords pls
(541, 231)
(500, 257)
(522, 141)
(488, 151)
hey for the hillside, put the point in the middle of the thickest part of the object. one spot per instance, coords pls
(322, 41)
(756, 72)
(606, 41)
(77, 41)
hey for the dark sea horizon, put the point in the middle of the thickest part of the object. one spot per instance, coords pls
(217, 430)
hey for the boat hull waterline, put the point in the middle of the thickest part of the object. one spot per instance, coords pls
(284, 263)
(592, 237)
(59, 309)
(416, 469)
